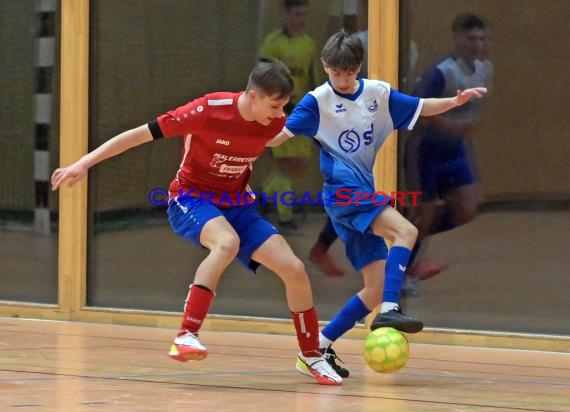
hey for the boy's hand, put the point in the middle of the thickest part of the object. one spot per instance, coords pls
(72, 173)
(467, 94)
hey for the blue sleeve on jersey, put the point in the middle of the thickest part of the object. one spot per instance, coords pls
(431, 84)
(402, 108)
(304, 119)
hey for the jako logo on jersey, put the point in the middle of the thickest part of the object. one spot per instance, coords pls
(372, 106)
(349, 140)
(340, 108)
(222, 141)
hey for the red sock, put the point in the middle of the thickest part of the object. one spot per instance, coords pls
(307, 326)
(196, 308)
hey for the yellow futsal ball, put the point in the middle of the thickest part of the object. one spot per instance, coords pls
(386, 350)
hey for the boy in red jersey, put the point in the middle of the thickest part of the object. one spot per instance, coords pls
(223, 135)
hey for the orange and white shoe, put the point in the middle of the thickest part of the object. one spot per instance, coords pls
(187, 347)
(319, 369)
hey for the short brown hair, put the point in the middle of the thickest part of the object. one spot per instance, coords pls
(343, 51)
(289, 4)
(271, 78)
(467, 22)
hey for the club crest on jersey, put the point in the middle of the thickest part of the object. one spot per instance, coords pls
(340, 108)
(349, 141)
(372, 105)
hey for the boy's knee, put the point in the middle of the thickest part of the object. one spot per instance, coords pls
(294, 270)
(228, 244)
(297, 266)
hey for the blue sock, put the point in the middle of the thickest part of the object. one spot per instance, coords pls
(396, 264)
(352, 312)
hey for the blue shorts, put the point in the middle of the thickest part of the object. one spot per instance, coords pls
(188, 215)
(438, 177)
(352, 224)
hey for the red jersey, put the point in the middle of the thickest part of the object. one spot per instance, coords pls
(220, 147)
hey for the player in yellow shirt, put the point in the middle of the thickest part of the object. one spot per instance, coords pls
(294, 47)
(291, 45)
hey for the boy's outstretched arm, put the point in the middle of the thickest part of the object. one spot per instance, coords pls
(112, 147)
(277, 140)
(433, 106)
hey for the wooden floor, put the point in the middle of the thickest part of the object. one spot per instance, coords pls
(60, 366)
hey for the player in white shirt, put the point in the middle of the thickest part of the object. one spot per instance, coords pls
(439, 145)
(350, 118)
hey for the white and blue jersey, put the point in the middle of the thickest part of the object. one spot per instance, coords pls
(443, 80)
(443, 163)
(350, 129)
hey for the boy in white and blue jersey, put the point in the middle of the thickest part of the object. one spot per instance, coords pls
(439, 144)
(350, 118)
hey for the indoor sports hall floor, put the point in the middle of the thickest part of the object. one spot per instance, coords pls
(76, 367)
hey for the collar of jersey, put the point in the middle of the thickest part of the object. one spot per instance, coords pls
(352, 96)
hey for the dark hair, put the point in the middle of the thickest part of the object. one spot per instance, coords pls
(466, 22)
(289, 4)
(343, 52)
(271, 78)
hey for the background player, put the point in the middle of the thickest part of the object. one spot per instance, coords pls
(294, 47)
(445, 168)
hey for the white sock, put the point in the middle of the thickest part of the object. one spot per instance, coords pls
(388, 306)
(324, 342)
